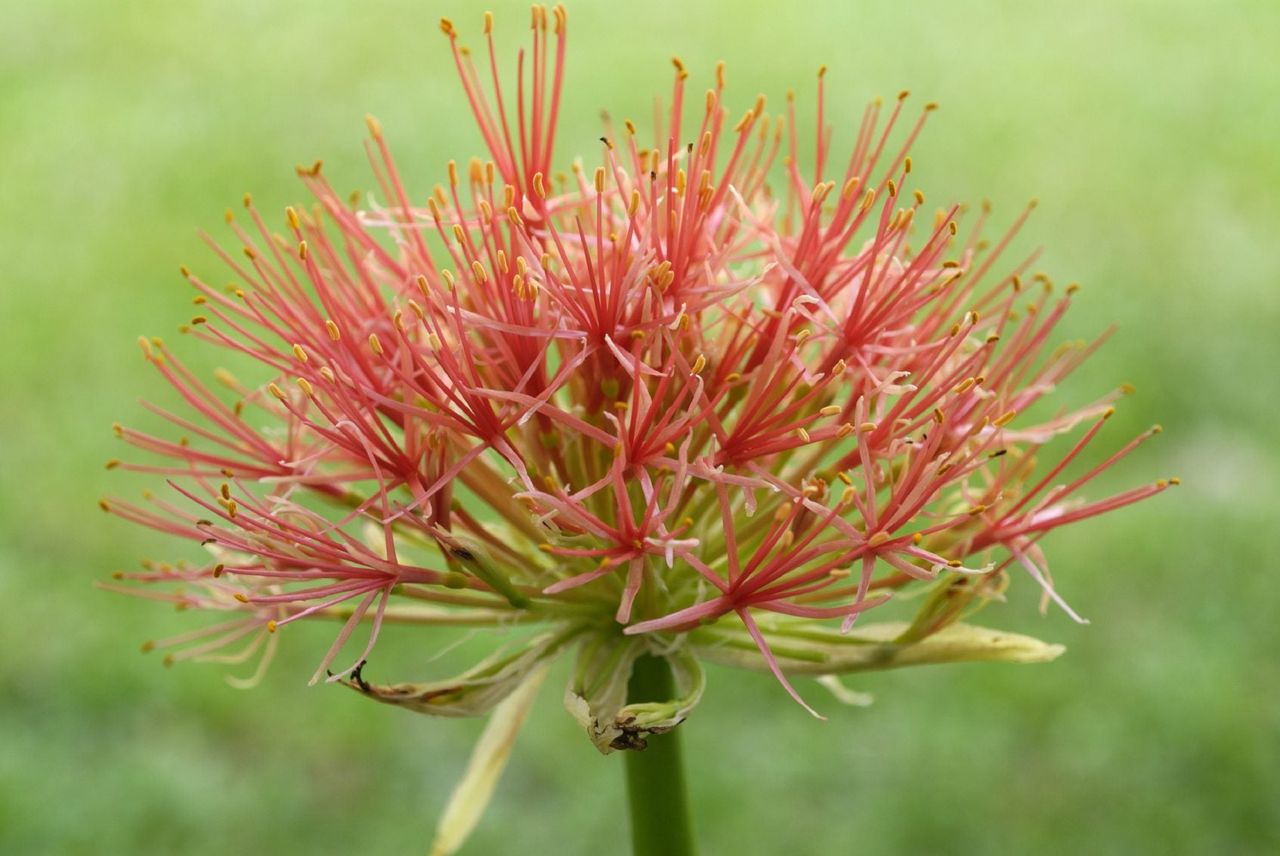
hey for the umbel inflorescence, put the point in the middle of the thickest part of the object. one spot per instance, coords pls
(711, 398)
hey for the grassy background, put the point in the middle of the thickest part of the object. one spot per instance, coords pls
(1148, 129)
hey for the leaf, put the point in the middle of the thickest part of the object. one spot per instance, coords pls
(843, 694)
(489, 758)
(809, 648)
(476, 690)
(597, 692)
(952, 598)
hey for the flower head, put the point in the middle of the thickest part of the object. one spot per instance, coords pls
(712, 398)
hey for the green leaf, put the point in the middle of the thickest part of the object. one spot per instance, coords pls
(952, 598)
(476, 690)
(809, 648)
(597, 692)
(489, 758)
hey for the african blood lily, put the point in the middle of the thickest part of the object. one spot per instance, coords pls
(710, 400)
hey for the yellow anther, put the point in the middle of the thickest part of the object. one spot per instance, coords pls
(375, 343)
(877, 539)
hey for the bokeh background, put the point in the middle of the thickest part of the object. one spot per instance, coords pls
(1150, 130)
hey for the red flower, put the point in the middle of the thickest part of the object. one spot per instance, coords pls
(696, 381)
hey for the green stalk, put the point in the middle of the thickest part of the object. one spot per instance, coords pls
(657, 797)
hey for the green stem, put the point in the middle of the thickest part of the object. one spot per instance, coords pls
(656, 792)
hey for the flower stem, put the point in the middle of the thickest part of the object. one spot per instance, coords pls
(657, 797)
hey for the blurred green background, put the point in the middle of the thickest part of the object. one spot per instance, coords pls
(1150, 131)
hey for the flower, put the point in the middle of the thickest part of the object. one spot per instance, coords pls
(711, 399)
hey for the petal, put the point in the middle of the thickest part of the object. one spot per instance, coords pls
(471, 795)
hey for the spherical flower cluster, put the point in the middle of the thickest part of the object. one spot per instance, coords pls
(710, 399)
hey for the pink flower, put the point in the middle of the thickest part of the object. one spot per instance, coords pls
(721, 374)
